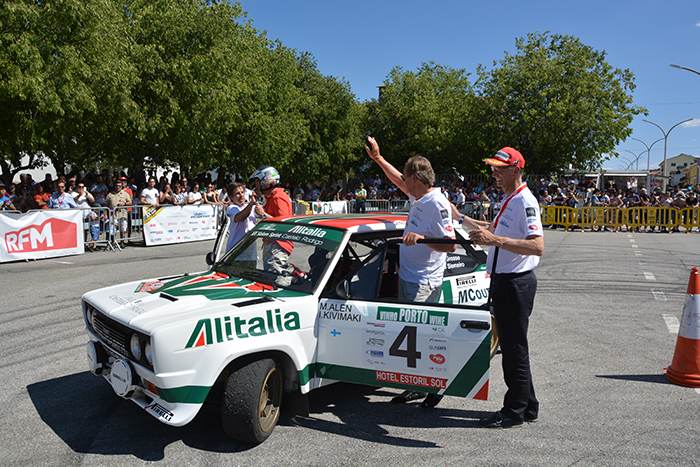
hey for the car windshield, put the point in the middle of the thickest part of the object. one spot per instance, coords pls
(281, 255)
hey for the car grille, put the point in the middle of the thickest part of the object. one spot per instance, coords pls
(114, 335)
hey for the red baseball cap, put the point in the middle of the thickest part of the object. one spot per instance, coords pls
(507, 156)
(123, 179)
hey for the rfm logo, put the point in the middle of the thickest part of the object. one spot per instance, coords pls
(52, 234)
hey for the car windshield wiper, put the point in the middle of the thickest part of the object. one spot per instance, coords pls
(255, 276)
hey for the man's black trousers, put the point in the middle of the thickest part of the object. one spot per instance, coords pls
(512, 298)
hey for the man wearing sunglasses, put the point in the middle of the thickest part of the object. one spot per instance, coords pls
(421, 266)
(60, 199)
(515, 244)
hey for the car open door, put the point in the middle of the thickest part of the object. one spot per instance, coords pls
(367, 336)
(219, 249)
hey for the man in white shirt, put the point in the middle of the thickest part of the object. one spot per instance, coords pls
(149, 195)
(421, 266)
(516, 244)
(242, 221)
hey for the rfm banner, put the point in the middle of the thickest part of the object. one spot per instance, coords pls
(41, 234)
(179, 224)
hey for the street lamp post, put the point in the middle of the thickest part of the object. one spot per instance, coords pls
(686, 69)
(666, 133)
(648, 160)
(629, 162)
(636, 157)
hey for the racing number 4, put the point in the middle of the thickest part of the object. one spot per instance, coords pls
(411, 354)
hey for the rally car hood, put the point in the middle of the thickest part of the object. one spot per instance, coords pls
(145, 305)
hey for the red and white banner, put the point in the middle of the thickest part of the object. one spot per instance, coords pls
(179, 224)
(41, 234)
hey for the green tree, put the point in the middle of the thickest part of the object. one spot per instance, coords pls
(557, 101)
(420, 113)
(213, 92)
(334, 143)
(64, 82)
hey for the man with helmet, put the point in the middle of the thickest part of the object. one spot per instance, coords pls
(277, 204)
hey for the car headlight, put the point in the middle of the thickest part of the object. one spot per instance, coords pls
(149, 355)
(135, 345)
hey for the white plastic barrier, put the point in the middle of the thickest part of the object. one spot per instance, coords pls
(179, 224)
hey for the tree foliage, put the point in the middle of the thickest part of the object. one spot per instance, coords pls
(557, 101)
(420, 113)
(129, 83)
(192, 84)
(334, 118)
(64, 81)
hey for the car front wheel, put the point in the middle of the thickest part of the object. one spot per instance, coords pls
(251, 401)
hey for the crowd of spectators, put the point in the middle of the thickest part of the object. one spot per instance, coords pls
(93, 190)
(481, 193)
(572, 193)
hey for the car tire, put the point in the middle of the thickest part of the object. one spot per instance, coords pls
(251, 401)
(494, 336)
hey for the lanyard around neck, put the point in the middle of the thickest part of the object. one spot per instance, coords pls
(520, 188)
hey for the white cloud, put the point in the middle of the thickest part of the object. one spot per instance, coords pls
(693, 123)
(698, 25)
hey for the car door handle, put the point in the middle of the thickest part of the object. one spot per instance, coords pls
(479, 325)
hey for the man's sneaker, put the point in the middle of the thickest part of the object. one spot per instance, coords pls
(531, 419)
(431, 401)
(498, 420)
(408, 396)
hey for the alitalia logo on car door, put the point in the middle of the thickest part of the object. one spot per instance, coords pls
(209, 331)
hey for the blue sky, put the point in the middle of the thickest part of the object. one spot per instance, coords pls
(361, 41)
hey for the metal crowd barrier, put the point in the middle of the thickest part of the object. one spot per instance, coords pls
(615, 218)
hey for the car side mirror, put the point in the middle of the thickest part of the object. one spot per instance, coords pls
(342, 290)
(210, 258)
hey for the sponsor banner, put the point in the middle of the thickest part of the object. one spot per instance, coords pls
(41, 234)
(413, 380)
(329, 207)
(178, 224)
(321, 237)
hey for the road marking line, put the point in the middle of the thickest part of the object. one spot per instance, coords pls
(64, 262)
(697, 390)
(637, 252)
(659, 296)
(629, 235)
(649, 276)
(671, 323)
(634, 246)
(632, 240)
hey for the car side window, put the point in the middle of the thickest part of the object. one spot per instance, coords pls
(463, 261)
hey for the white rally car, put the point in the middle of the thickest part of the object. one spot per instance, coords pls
(252, 337)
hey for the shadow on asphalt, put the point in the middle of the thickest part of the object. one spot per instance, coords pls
(655, 378)
(85, 413)
(361, 419)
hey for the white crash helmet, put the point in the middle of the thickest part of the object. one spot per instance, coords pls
(268, 176)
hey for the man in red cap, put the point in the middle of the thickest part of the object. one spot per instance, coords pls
(515, 245)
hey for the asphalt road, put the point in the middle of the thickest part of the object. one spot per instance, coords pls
(601, 334)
